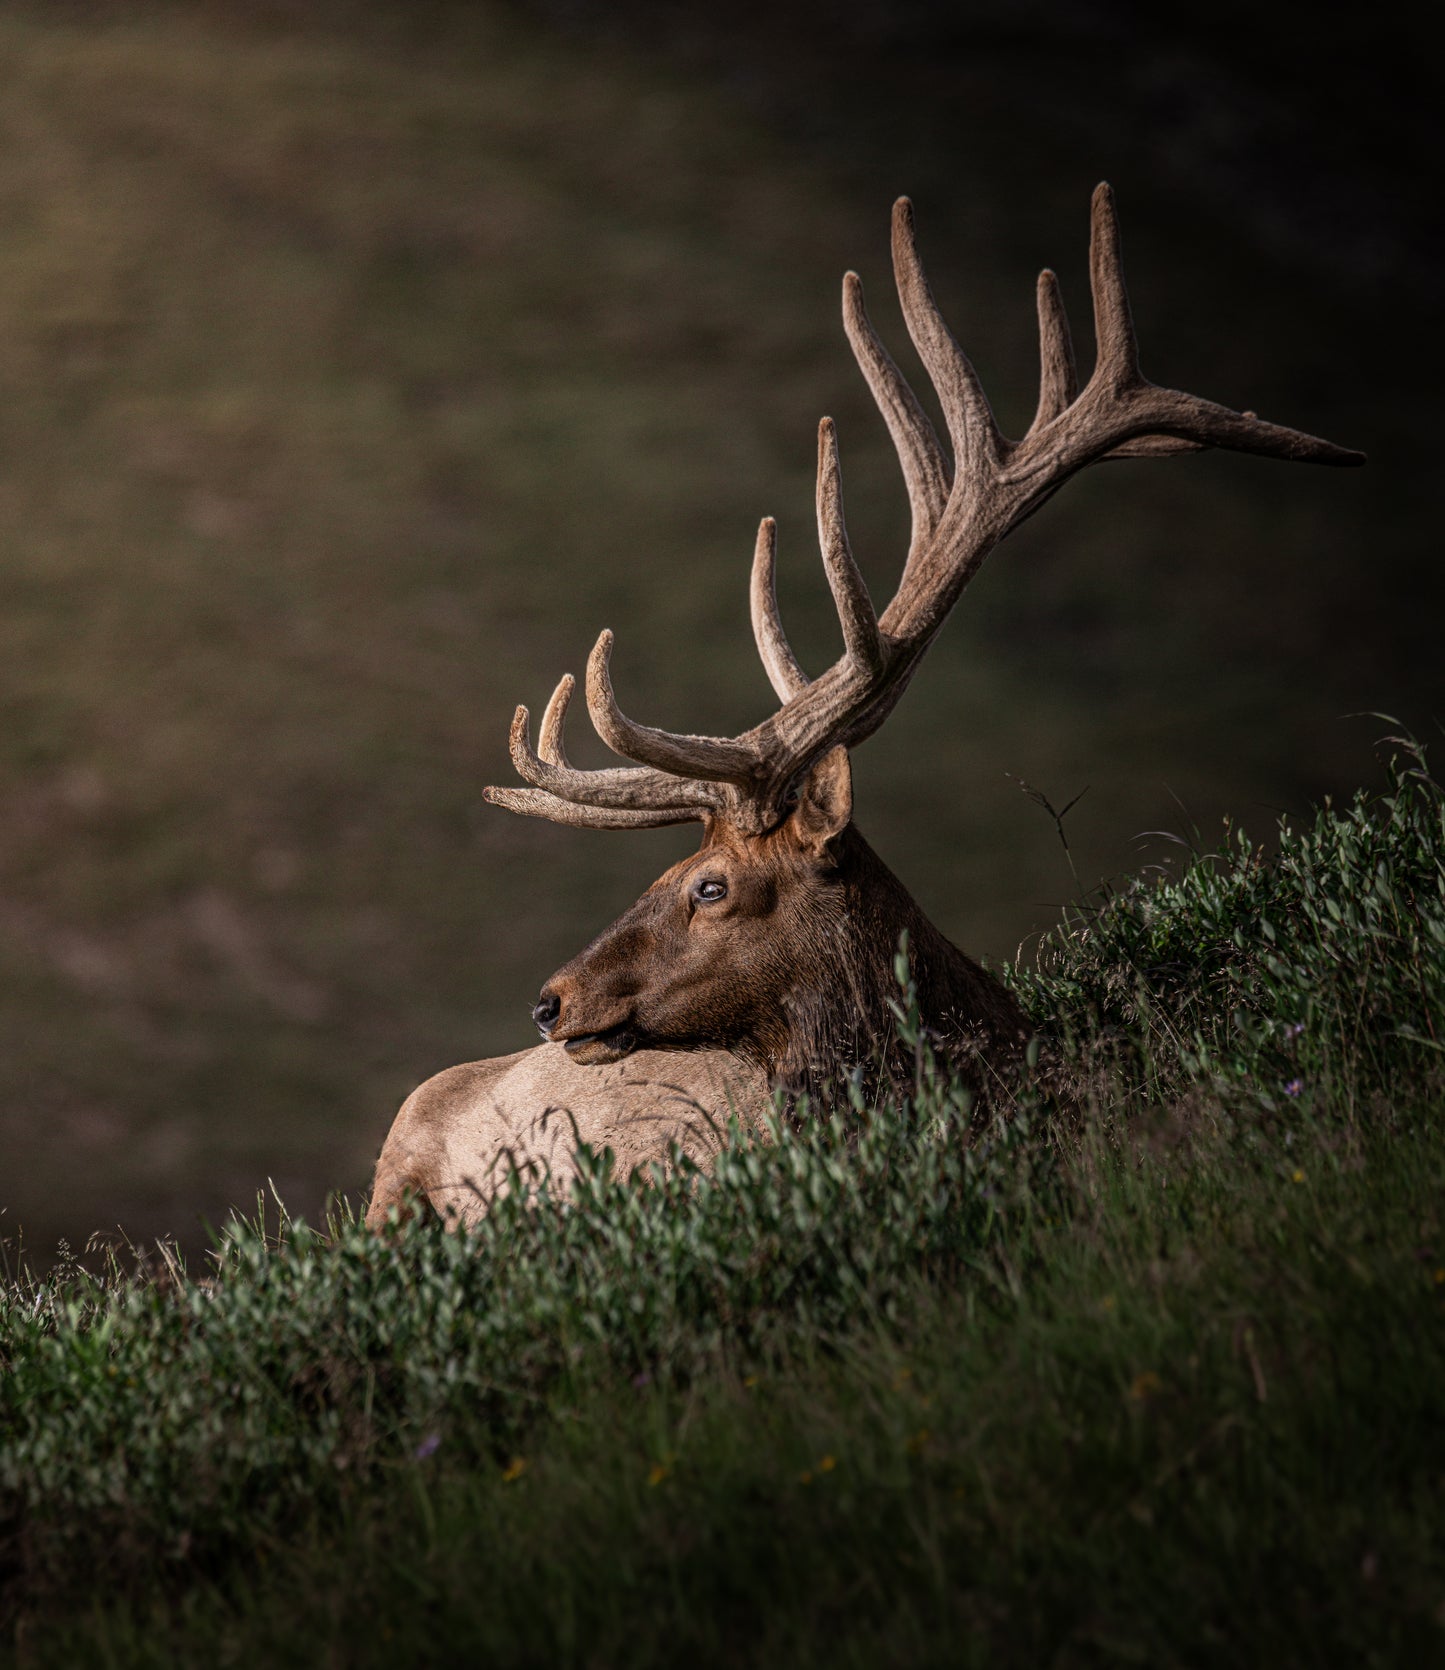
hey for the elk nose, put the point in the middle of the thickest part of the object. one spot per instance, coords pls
(546, 1011)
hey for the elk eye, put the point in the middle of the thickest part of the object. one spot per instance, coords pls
(710, 891)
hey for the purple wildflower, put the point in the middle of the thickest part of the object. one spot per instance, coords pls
(428, 1446)
(1294, 1087)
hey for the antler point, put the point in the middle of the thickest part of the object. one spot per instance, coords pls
(519, 743)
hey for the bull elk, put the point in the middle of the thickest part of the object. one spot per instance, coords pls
(769, 953)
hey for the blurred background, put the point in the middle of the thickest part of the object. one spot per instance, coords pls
(360, 361)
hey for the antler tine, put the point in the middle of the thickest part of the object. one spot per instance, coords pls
(1059, 378)
(926, 474)
(713, 758)
(977, 443)
(554, 717)
(1058, 372)
(856, 614)
(617, 789)
(1116, 347)
(781, 665)
(537, 803)
(1169, 413)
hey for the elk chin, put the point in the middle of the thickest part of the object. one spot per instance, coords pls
(600, 1049)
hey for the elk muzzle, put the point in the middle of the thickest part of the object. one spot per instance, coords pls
(592, 1046)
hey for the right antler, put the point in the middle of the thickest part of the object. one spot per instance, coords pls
(959, 515)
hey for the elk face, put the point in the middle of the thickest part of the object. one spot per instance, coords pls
(710, 952)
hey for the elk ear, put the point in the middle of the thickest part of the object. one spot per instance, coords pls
(825, 801)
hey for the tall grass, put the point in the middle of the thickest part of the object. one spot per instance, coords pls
(1153, 1374)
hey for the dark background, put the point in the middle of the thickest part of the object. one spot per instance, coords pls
(359, 362)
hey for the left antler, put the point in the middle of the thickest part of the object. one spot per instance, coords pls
(959, 515)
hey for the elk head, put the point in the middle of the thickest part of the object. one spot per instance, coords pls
(777, 937)
(710, 954)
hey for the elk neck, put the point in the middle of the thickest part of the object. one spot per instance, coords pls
(837, 1009)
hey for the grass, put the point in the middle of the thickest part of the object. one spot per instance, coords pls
(1156, 1379)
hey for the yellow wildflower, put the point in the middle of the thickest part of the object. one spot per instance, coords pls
(827, 1464)
(514, 1469)
(1145, 1386)
(658, 1472)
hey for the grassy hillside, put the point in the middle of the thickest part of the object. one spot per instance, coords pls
(353, 375)
(1155, 1376)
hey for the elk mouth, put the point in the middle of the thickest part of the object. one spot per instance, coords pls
(597, 1049)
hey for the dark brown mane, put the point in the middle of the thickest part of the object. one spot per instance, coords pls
(840, 1014)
